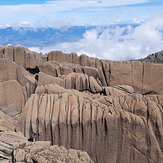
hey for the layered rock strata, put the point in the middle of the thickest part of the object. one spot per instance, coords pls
(9, 141)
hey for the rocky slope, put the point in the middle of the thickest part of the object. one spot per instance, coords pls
(111, 110)
(155, 57)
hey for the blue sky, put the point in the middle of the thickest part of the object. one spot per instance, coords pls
(119, 43)
(16, 2)
(77, 12)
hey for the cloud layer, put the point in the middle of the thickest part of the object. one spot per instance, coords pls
(62, 12)
(117, 42)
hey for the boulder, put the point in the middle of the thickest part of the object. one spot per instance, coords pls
(6, 122)
(8, 70)
(11, 98)
(11, 71)
(45, 79)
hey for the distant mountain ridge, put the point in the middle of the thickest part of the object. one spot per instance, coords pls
(155, 57)
(44, 36)
(41, 37)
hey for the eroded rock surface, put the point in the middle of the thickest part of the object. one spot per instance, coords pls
(155, 57)
(9, 141)
(111, 110)
(42, 152)
(122, 125)
(16, 86)
(21, 56)
(14, 147)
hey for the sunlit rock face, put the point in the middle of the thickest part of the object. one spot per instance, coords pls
(111, 110)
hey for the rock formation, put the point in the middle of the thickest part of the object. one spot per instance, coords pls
(9, 141)
(21, 56)
(42, 152)
(122, 124)
(111, 110)
(155, 57)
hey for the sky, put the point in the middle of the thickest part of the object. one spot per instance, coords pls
(77, 12)
(100, 42)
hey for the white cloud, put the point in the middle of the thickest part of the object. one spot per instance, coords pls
(119, 43)
(62, 11)
(99, 3)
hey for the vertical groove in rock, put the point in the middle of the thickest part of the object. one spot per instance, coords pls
(143, 73)
(104, 73)
(34, 116)
(110, 73)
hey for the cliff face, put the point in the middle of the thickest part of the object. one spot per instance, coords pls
(111, 110)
